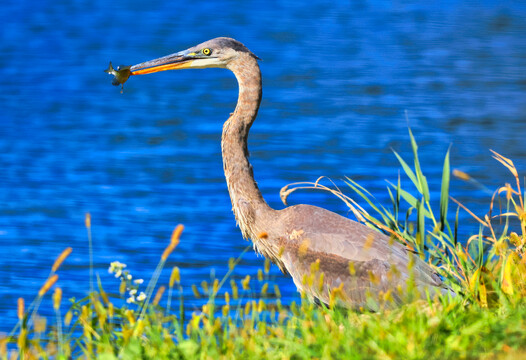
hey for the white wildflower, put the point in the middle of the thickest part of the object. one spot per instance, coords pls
(116, 266)
(133, 291)
(130, 300)
(129, 277)
(138, 281)
(141, 297)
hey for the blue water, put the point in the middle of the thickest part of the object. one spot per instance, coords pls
(338, 78)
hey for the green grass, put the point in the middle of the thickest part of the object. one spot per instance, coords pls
(487, 318)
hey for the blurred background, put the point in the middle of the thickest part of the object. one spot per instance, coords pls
(338, 78)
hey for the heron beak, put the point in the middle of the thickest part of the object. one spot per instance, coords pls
(180, 60)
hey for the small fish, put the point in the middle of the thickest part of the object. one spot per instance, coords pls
(120, 75)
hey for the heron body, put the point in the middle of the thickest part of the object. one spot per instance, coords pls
(300, 239)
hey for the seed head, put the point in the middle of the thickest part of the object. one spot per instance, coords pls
(60, 259)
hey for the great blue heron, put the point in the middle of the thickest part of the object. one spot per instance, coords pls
(299, 239)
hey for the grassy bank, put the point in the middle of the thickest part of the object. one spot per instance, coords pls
(486, 318)
(264, 328)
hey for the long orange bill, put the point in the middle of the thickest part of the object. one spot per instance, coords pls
(170, 62)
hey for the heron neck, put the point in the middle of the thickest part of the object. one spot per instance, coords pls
(248, 204)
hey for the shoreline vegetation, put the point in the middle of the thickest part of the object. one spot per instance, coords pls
(247, 319)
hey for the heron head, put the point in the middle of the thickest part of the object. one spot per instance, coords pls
(218, 52)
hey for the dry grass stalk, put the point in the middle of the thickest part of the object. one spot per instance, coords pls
(60, 259)
(20, 308)
(174, 241)
(158, 295)
(47, 285)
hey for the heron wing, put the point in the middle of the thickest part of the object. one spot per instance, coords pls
(349, 253)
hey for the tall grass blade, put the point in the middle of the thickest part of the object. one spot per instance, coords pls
(395, 207)
(411, 200)
(383, 212)
(455, 238)
(422, 181)
(444, 192)
(410, 174)
(398, 187)
(480, 253)
(420, 226)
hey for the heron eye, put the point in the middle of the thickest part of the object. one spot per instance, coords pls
(207, 51)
